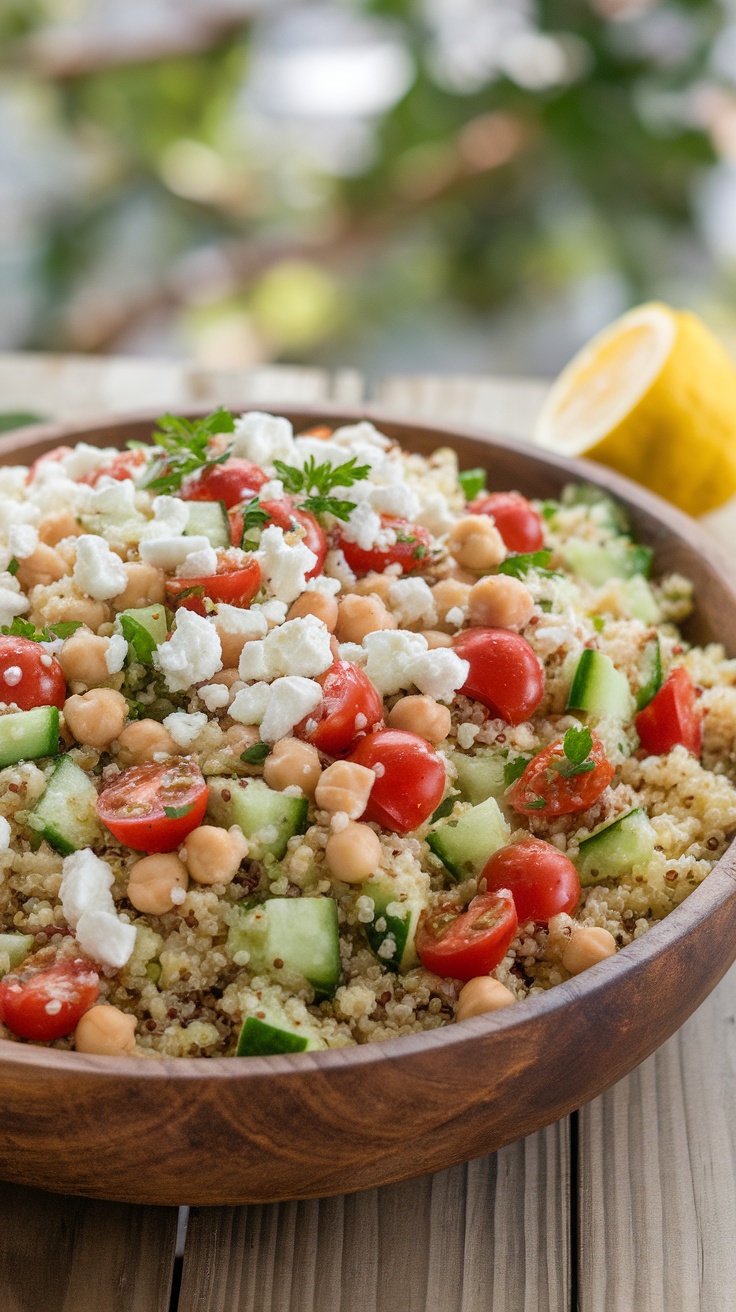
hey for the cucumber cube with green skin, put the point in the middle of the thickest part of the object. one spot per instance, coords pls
(465, 845)
(599, 688)
(392, 930)
(267, 818)
(258, 1039)
(650, 668)
(209, 519)
(144, 628)
(620, 559)
(288, 936)
(65, 813)
(27, 735)
(479, 776)
(640, 600)
(616, 848)
(610, 512)
(16, 947)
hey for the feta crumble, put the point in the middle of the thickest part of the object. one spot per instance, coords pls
(300, 646)
(185, 727)
(192, 654)
(284, 565)
(98, 571)
(277, 707)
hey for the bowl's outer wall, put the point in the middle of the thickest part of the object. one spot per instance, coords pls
(229, 1132)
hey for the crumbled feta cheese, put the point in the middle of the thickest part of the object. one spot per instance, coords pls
(330, 587)
(17, 512)
(4, 834)
(51, 490)
(105, 938)
(86, 881)
(185, 727)
(12, 601)
(396, 500)
(363, 434)
(84, 459)
(114, 497)
(391, 654)
(198, 564)
(412, 603)
(192, 654)
(166, 553)
(273, 611)
(22, 540)
(271, 491)
(235, 619)
(215, 696)
(456, 616)
(336, 567)
(283, 564)
(363, 526)
(277, 706)
(117, 650)
(170, 518)
(97, 569)
(263, 438)
(435, 514)
(467, 734)
(440, 673)
(300, 646)
(353, 652)
(13, 480)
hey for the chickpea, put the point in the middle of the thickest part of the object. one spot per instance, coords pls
(232, 645)
(587, 947)
(462, 575)
(145, 586)
(476, 543)
(44, 566)
(142, 741)
(501, 602)
(480, 995)
(59, 610)
(107, 1032)
(226, 677)
(82, 658)
(447, 595)
(62, 524)
(353, 854)
(152, 882)
(213, 855)
(376, 584)
(436, 639)
(422, 715)
(315, 603)
(346, 787)
(357, 616)
(293, 762)
(97, 717)
(239, 737)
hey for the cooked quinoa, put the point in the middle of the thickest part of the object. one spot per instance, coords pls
(86, 541)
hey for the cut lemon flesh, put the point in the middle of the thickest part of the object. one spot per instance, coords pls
(653, 396)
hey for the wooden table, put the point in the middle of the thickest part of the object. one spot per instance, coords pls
(627, 1206)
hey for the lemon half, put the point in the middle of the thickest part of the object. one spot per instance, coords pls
(653, 396)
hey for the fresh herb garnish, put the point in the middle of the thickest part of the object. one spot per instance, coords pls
(254, 518)
(577, 746)
(513, 770)
(444, 809)
(13, 565)
(549, 509)
(178, 812)
(519, 565)
(184, 449)
(315, 483)
(256, 754)
(420, 552)
(536, 805)
(22, 629)
(138, 638)
(598, 623)
(472, 481)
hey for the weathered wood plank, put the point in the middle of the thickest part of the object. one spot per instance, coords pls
(60, 1254)
(489, 1236)
(506, 407)
(658, 1175)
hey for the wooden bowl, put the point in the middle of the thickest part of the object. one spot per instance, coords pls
(263, 1129)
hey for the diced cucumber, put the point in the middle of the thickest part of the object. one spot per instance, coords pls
(479, 776)
(65, 813)
(209, 519)
(609, 512)
(289, 936)
(614, 849)
(276, 1033)
(598, 687)
(267, 818)
(126, 530)
(640, 600)
(620, 559)
(26, 735)
(650, 671)
(392, 930)
(465, 845)
(144, 628)
(16, 947)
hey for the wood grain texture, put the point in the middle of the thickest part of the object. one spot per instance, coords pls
(658, 1176)
(72, 1255)
(491, 1236)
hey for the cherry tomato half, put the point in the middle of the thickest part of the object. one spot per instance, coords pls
(29, 676)
(410, 550)
(285, 514)
(236, 582)
(52, 457)
(46, 1002)
(127, 465)
(462, 944)
(350, 706)
(410, 778)
(545, 781)
(135, 806)
(516, 519)
(542, 880)
(233, 481)
(671, 717)
(505, 675)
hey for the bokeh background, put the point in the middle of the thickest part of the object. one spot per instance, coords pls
(448, 185)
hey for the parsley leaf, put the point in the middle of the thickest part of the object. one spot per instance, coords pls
(316, 482)
(256, 754)
(22, 629)
(536, 805)
(577, 746)
(513, 770)
(178, 812)
(13, 566)
(519, 565)
(472, 481)
(444, 809)
(254, 519)
(138, 638)
(184, 446)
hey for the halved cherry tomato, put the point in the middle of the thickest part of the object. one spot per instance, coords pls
(52, 457)
(285, 514)
(671, 717)
(233, 481)
(350, 706)
(546, 789)
(410, 550)
(505, 675)
(127, 465)
(516, 519)
(29, 676)
(46, 1002)
(542, 880)
(135, 806)
(410, 778)
(462, 944)
(236, 582)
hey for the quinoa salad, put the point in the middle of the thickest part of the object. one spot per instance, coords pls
(307, 741)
